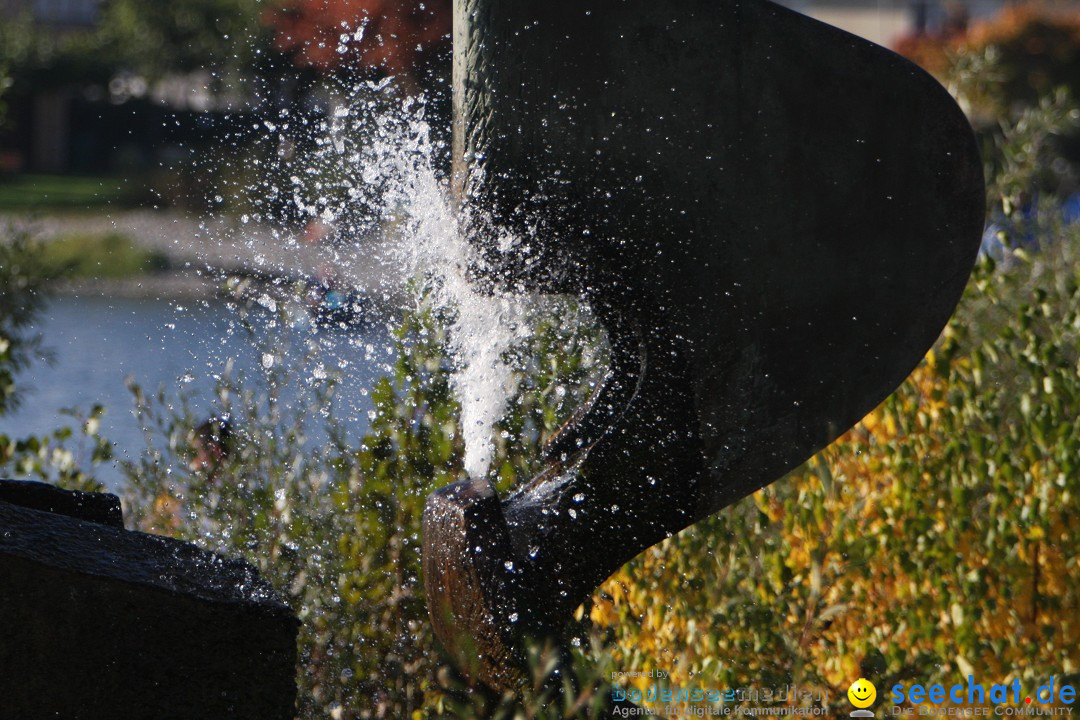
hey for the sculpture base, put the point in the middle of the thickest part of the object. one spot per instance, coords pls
(101, 622)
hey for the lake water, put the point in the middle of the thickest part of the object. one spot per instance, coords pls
(178, 345)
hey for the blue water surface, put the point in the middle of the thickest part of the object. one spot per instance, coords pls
(179, 345)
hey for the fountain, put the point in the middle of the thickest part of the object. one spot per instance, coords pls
(773, 221)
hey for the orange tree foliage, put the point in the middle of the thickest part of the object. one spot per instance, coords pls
(1036, 46)
(934, 540)
(391, 36)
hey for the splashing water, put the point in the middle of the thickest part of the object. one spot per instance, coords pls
(484, 327)
(382, 156)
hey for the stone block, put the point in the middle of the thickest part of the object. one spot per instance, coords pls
(102, 622)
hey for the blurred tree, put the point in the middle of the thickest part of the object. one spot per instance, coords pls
(1035, 48)
(22, 297)
(221, 35)
(23, 291)
(1039, 49)
(408, 40)
(1016, 76)
(147, 39)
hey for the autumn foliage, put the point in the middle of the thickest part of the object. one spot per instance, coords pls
(389, 36)
(1036, 45)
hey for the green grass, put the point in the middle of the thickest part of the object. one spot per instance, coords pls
(67, 192)
(108, 255)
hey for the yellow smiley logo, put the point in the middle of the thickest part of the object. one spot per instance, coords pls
(862, 693)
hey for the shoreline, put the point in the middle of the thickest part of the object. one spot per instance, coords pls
(160, 286)
(200, 253)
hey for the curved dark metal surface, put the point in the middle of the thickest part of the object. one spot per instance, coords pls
(775, 217)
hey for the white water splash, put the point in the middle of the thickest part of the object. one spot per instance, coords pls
(373, 182)
(484, 328)
(432, 247)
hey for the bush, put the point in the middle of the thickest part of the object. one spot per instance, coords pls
(106, 255)
(1035, 48)
(336, 528)
(23, 294)
(930, 542)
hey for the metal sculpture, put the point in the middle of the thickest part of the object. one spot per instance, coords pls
(773, 220)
